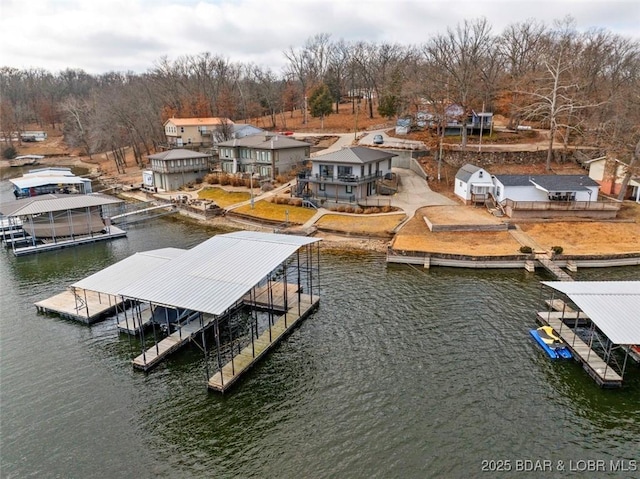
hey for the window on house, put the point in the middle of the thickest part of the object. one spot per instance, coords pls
(326, 171)
(344, 171)
(349, 189)
(460, 184)
(497, 191)
(322, 186)
(182, 129)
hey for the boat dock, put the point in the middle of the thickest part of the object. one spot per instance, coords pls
(133, 320)
(186, 332)
(24, 246)
(561, 310)
(596, 367)
(239, 364)
(83, 305)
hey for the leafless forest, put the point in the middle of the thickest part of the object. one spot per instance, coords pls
(583, 86)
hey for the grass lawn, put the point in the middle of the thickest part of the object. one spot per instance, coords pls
(224, 198)
(271, 211)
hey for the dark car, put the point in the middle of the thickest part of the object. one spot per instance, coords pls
(378, 140)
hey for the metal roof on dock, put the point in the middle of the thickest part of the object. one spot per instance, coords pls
(113, 278)
(212, 276)
(612, 305)
(48, 203)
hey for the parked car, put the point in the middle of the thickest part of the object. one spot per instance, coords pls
(378, 140)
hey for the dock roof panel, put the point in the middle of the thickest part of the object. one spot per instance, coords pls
(214, 275)
(127, 271)
(47, 203)
(612, 305)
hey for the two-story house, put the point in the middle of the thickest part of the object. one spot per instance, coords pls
(172, 169)
(345, 176)
(266, 155)
(196, 131)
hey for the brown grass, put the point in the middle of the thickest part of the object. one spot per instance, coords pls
(415, 236)
(365, 225)
(586, 238)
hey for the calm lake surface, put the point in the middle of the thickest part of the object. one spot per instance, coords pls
(401, 373)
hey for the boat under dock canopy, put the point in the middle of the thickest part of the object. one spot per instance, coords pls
(612, 308)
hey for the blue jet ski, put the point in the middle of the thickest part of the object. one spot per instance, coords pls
(552, 344)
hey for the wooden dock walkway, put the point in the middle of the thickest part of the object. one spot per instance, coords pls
(85, 306)
(596, 367)
(156, 353)
(51, 245)
(242, 362)
(553, 268)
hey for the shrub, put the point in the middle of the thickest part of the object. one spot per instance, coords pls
(266, 186)
(296, 202)
(224, 180)
(387, 209)
(557, 249)
(9, 153)
(526, 249)
(212, 179)
(359, 210)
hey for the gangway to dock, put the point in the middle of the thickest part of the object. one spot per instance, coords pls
(144, 214)
(553, 268)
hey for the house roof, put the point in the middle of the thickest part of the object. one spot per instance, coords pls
(549, 182)
(563, 182)
(612, 305)
(177, 154)
(216, 274)
(355, 155)
(199, 121)
(466, 171)
(265, 142)
(47, 203)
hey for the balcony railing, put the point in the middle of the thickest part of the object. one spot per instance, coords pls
(563, 205)
(339, 179)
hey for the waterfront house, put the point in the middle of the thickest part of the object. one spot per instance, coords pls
(473, 184)
(172, 169)
(550, 196)
(345, 176)
(196, 132)
(267, 155)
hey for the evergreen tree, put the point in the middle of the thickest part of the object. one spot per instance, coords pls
(321, 103)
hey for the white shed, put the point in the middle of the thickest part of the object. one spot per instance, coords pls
(473, 184)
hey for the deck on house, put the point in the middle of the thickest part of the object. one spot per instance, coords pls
(242, 362)
(598, 369)
(85, 306)
(156, 353)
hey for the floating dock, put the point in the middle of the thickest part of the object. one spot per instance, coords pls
(239, 364)
(84, 306)
(186, 332)
(596, 367)
(59, 243)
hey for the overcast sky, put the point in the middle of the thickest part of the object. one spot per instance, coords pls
(131, 35)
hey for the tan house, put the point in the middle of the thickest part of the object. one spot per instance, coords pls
(196, 131)
(267, 155)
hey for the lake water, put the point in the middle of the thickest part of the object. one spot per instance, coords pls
(401, 373)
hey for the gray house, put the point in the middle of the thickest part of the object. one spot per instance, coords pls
(172, 169)
(267, 155)
(345, 176)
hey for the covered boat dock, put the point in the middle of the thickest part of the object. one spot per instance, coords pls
(234, 296)
(612, 309)
(50, 222)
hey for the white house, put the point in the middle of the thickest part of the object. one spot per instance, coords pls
(567, 188)
(473, 184)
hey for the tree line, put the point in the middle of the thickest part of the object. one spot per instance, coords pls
(583, 86)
